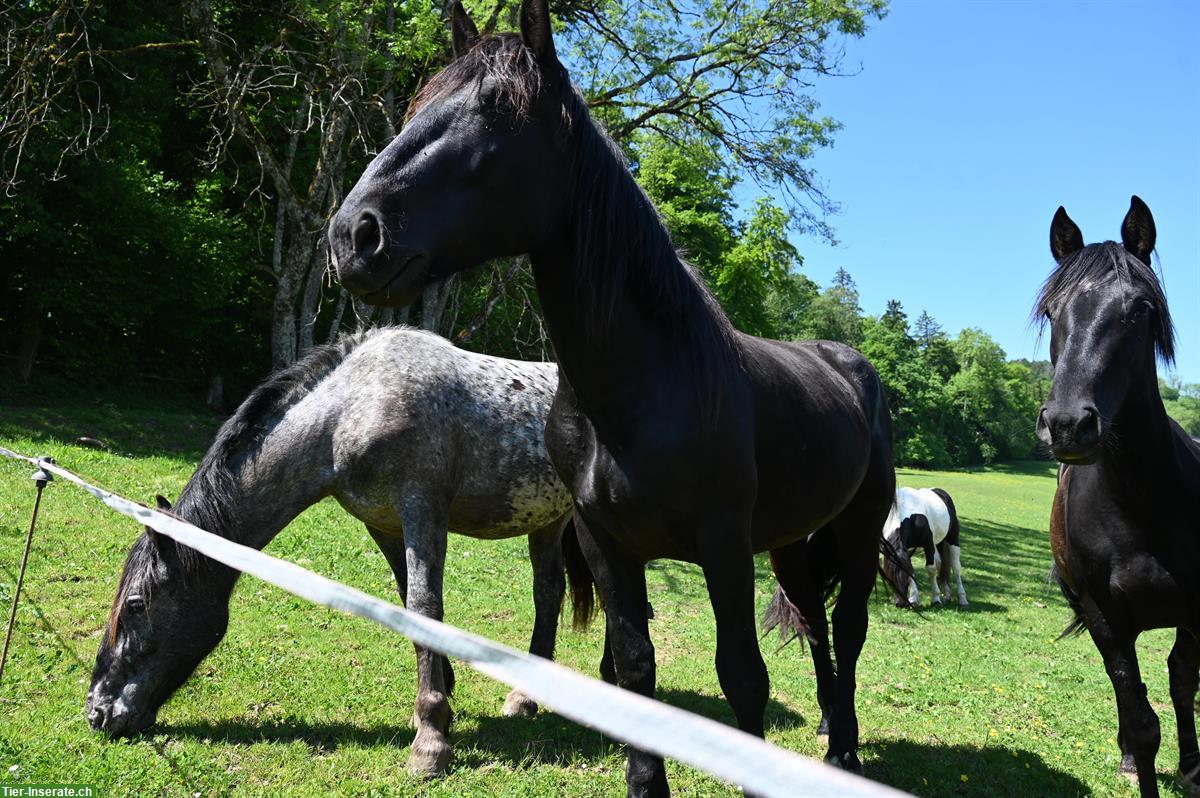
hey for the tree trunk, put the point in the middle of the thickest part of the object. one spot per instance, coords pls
(433, 303)
(31, 324)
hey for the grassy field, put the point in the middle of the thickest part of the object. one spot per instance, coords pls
(300, 700)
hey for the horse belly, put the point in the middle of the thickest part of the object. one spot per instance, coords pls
(518, 508)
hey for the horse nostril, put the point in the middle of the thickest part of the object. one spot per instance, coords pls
(97, 717)
(367, 235)
(1088, 431)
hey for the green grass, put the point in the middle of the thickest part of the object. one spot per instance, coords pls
(300, 699)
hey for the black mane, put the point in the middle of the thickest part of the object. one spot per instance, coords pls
(624, 247)
(206, 500)
(1098, 263)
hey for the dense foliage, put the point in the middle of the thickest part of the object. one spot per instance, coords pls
(163, 211)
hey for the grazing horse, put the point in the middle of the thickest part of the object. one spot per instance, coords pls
(413, 437)
(1123, 527)
(925, 519)
(678, 436)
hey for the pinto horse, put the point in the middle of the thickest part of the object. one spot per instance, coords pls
(925, 518)
(1123, 527)
(678, 436)
(413, 437)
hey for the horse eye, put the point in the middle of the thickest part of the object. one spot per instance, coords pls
(1138, 311)
(135, 604)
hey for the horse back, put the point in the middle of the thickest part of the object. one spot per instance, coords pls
(820, 420)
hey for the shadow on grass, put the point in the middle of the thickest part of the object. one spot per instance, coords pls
(167, 431)
(517, 742)
(325, 736)
(1027, 468)
(551, 739)
(930, 770)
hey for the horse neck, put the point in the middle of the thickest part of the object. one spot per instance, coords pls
(1143, 454)
(611, 357)
(267, 484)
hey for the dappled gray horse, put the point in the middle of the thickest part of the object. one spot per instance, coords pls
(413, 437)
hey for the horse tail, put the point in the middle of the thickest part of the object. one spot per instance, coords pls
(785, 616)
(953, 532)
(579, 578)
(896, 569)
(1078, 623)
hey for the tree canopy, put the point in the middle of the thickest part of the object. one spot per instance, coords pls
(168, 172)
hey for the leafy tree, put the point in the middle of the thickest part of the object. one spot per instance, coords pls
(760, 266)
(1182, 402)
(736, 74)
(835, 315)
(693, 191)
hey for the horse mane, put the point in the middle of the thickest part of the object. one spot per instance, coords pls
(1098, 263)
(502, 58)
(623, 247)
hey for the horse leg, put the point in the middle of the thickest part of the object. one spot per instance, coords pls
(425, 553)
(728, 564)
(798, 568)
(931, 564)
(1139, 732)
(549, 585)
(857, 537)
(392, 547)
(621, 580)
(1184, 666)
(608, 669)
(956, 575)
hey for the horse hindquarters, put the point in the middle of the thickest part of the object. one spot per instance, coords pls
(845, 551)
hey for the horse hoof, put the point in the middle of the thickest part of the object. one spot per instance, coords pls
(1188, 783)
(963, 603)
(847, 761)
(430, 756)
(518, 704)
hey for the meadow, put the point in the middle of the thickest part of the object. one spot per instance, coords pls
(301, 700)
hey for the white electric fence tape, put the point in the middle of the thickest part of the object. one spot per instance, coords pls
(727, 753)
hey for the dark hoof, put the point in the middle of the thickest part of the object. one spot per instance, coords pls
(847, 761)
(1190, 781)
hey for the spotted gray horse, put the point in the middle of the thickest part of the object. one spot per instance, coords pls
(413, 437)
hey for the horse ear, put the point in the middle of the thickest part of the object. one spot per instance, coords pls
(164, 505)
(537, 30)
(1137, 231)
(463, 33)
(1065, 237)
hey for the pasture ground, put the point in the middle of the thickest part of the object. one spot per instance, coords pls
(301, 700)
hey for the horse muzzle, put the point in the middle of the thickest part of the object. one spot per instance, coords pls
(116, 718)
(1072, 432)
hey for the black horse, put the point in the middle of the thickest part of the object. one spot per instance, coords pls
(1124, 524)
(678, 436)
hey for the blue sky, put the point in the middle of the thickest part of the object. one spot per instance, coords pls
(971, 122)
